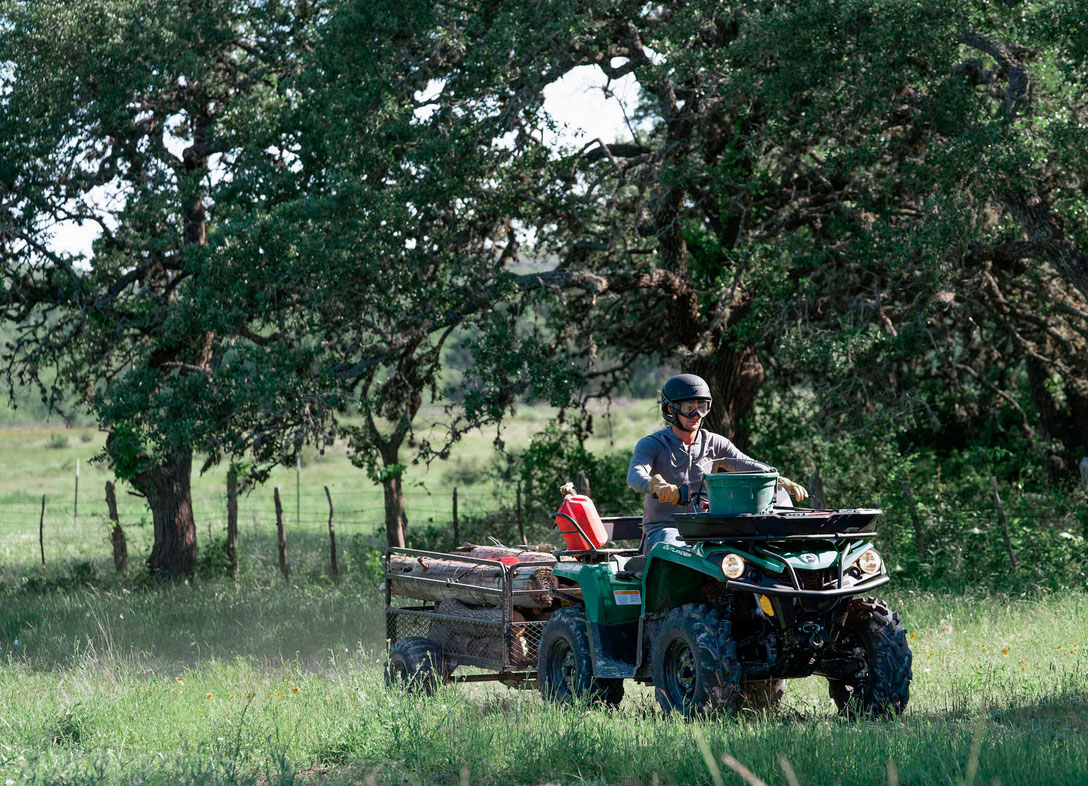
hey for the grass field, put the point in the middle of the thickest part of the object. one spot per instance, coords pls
(42, 460)
(115, 681)
(217, 682)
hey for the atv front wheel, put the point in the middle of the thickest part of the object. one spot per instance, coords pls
(416, 663)
(565, 666)
(881, 688)
(694, 662)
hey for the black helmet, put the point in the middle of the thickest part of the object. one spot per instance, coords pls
(682, 387)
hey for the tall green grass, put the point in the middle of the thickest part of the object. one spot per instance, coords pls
(218, 682)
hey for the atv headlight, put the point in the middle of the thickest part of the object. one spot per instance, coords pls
(732, 566)
(869, 562)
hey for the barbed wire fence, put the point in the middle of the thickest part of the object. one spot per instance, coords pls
(77, 523)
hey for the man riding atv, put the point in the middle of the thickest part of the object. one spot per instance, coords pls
(669, 465)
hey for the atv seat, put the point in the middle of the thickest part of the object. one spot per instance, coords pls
(633, 565)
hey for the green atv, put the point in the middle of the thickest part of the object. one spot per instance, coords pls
(715, 624)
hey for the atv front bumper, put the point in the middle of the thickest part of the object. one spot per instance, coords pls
(773, 588)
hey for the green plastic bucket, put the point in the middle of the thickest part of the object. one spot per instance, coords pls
(734, 493)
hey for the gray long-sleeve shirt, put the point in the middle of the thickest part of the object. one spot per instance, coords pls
(663, 453)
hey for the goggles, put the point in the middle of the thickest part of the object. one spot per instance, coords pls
(690, 409)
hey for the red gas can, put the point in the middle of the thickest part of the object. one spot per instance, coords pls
(581, 508)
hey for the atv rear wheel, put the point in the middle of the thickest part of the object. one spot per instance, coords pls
(416, 663)
(881, 688)
(565, 666)
(694, 662)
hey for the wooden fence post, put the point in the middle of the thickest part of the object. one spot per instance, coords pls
(456, 523)
(1004, 522)
(816, 490)
(75, 501)
(281, 536)
(332, 538)
(41, 531)
(581, 482)
(298, 488)
(521, 518)
(919, 543)
(232, 520)
(117, 535)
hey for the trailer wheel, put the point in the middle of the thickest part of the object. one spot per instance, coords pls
(881, 688)
(565, 666)
(416, 664)
(694, 662)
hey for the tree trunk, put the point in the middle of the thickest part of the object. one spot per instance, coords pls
(735, 378)
(1067, 424)
(396, 522)
(167, 487)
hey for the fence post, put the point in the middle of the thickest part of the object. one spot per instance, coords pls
(332, 537)
(581, 482)
(117, 535)
(281, 536)
(41, 532)
(75, 501)
(521, 518)
(232, 520)
(816, 490)
(1004, 522)
(456, 523)
(919, 543)
(298, 488)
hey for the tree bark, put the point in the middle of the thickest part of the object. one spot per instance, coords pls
(117, 535)
(1067, 424)
(167, 488)
(396, 521)
(232, 520)
(333, 567)
(452, 578)
(735, 378)
(281, 535)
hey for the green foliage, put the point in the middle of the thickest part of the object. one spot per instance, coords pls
(555, 456)
(213, 560)
(58, 441)
(951, 487)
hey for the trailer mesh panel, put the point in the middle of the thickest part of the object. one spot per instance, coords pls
(489, 644)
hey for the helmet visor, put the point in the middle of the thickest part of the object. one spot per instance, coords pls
(690, 409)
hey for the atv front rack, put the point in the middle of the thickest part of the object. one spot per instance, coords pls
(778, 523)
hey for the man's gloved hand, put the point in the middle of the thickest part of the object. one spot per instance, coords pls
(665, 491)
(795, 490)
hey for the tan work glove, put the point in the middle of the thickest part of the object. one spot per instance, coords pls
(795, 490)
(665, 491)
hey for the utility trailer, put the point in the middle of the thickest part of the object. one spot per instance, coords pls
(715, 623)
